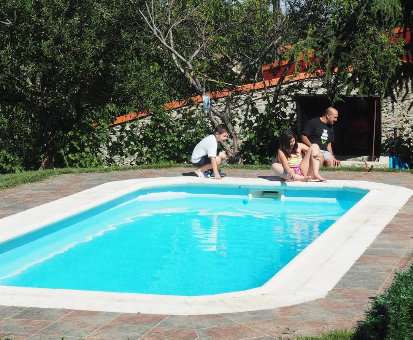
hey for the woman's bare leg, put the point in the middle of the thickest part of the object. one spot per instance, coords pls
(280, 172)
(310, 164)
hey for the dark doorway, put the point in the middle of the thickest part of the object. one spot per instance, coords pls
(358, 128)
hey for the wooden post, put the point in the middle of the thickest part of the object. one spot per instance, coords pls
(374, 128)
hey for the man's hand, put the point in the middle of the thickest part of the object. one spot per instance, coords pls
(336, 161)
(217, 175)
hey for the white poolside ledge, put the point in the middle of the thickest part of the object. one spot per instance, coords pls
(310, 275)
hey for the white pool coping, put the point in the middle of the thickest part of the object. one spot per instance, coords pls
(310, 275)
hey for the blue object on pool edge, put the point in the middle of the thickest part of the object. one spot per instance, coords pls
(397, 163)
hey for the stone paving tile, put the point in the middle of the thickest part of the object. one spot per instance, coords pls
(56, 337)
(76, 324)
(145, 320)
(209, 321)
(59, 329)
(50, 314)
(89, 317)
(371, 268)
(259, 315)
(405, 262)
(10, 311)
(386, 244)
(178, 322)
(378, 252)
(119, 332)
(231, 332)
(353, 295)
(5, 204)
(25, 196)
(362, 282)
(275, 328)
(379, 259)
(160, 333)
(7, 201)
(343, 307)
(14, 336)
(22, 327)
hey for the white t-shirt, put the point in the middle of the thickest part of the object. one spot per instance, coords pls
(206, 147)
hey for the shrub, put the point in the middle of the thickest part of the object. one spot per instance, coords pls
(162, 138)
(262, 131)
(391, 313)
(401, 146)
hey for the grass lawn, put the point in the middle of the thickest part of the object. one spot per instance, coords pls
(13, 180)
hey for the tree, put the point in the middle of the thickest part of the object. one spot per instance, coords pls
(216, 45)
(65, 65)
(407, 23)
(353, 45)
(345, 43)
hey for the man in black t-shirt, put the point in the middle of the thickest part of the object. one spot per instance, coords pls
(320, 131)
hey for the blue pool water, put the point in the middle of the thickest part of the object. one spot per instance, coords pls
(175, 241)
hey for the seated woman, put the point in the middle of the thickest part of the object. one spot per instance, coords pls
(290, 164)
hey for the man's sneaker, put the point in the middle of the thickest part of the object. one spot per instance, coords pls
(200, 174)
(209, 174)
(221, 173)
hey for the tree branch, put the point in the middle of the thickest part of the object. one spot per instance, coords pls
(7, 22)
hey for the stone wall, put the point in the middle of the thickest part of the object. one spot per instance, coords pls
(396, 110)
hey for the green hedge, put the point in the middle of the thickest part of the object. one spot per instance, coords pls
(391, 314)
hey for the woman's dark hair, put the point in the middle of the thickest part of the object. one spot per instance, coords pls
(285, 140)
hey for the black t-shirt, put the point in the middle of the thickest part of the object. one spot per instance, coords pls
(319, 132)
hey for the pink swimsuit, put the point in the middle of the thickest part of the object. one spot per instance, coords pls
(295, 163)
(297, 170)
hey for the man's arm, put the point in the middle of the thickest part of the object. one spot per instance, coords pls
(330, 150)
(305, 140)
(215, 168)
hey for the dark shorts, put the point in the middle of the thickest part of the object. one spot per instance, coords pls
(204, 160)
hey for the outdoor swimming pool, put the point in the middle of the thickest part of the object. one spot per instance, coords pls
(309, 275)
(184, 240)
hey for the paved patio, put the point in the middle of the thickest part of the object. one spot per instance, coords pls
(343, 307)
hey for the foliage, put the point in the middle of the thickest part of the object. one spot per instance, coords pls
(391, 313)
(162, 138)
(350, 44)
(262, 133)
(68, 64)
(334, 335)
(401, 146)
(65, 65)
(80, 147)
(212, 37)
(215, 45)
(16, 142)
(407, 23)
